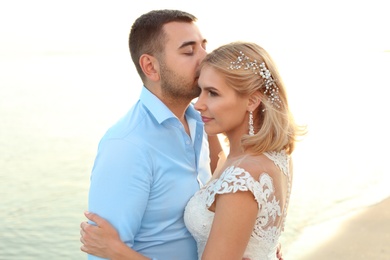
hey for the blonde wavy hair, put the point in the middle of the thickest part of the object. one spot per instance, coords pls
(275, 128)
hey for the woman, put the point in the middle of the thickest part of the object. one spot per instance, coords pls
(241, 212)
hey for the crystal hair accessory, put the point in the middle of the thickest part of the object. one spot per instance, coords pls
(271, 89)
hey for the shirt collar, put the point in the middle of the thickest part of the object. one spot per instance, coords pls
(160, 111)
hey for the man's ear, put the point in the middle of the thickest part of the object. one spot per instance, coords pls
(254, 101)
(150, 67)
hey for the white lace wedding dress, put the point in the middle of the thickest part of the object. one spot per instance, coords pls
(271, 216)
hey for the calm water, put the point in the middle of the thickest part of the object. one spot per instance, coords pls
(54, 108)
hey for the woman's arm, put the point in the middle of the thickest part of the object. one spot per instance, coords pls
(235, 217)
(103, 240)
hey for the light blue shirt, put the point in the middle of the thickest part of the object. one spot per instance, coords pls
(146, 169)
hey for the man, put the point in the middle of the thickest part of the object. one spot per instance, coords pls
(155, 158)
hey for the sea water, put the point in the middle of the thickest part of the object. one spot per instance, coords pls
(54, 107)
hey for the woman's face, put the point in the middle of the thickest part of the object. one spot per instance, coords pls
(222, 109)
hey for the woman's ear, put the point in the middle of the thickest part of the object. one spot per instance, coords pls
(254, 101)
(150, 67)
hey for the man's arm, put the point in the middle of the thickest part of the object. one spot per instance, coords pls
(120, 186)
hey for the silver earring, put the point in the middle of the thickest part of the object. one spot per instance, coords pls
(251, 129)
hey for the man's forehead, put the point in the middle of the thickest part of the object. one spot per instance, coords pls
(179, 33)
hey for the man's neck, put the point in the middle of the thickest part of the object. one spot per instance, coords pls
(179, 110)
(178, 106)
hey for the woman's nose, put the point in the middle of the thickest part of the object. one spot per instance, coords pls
(199, 105)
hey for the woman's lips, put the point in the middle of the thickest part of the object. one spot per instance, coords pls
(206, 119)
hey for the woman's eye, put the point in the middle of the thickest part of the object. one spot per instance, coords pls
(212, 93)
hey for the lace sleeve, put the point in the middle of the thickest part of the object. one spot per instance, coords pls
(233, 179)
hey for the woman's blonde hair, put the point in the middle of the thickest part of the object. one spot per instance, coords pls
(274, 125)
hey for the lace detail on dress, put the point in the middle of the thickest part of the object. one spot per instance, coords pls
(235, 179)
(279, 158)
(268, 226)
(231, 180)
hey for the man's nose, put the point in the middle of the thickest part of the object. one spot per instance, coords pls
(202, 54)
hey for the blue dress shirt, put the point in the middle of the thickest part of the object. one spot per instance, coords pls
(145, 171)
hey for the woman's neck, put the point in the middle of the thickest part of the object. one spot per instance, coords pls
(235, 148)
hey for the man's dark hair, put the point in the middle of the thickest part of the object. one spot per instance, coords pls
(147, 36)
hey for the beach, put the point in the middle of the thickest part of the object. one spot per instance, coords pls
(362, 235)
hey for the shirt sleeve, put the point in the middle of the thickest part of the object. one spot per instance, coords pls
(120, 185)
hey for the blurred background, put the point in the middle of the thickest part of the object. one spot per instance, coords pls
(66, 76)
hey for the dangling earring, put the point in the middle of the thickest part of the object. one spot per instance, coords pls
(251, 129)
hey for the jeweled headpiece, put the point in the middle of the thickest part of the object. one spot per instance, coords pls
(271, 89)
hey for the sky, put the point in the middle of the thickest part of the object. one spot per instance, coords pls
(95, 25)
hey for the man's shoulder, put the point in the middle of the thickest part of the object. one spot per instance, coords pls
(132, 125)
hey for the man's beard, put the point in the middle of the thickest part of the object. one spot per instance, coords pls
(176, 86)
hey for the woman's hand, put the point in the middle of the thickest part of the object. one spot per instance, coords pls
(279, 254)
(103, 240)
(99, 240)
